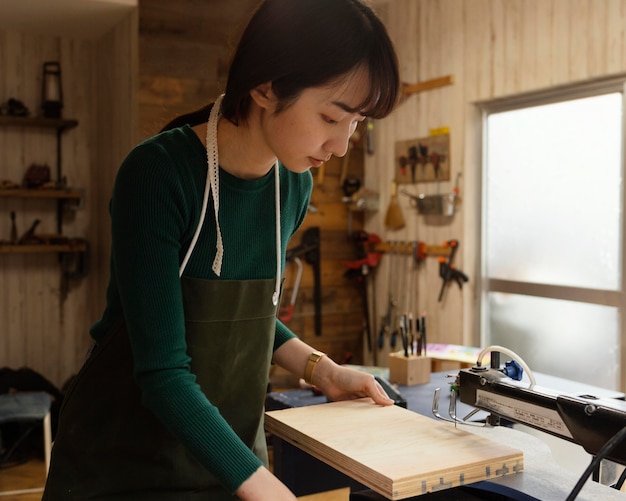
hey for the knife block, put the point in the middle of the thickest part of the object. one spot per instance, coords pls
(408, 371)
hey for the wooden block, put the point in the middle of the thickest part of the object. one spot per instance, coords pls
(409, 370)
(396, 452)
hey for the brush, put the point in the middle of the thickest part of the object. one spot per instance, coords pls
(394, 219)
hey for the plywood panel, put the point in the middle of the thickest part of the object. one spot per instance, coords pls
(405, 455)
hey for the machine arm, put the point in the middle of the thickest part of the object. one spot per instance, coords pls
(586, 420)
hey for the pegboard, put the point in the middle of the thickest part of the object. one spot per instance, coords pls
(422, 160)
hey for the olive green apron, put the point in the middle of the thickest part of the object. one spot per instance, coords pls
(108, 446)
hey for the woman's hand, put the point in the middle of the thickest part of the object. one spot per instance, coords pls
(343, 383)
(335, 381)
(263, 486)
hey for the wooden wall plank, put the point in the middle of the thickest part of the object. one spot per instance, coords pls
(115, 134)
(579, 54)
(561, 30)
(528, 43)
(544, 52)
(513, 47)
(615, 35)
(597, 55)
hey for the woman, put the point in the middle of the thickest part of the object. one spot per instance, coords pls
(169, 404)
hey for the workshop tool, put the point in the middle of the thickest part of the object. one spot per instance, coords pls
(435, 160)
(422, 336)
(419, 348)
(394, 333)
(74, 265)
(455, 190)
(452, 408)
(349, 187)
(419, 251)
(403, 161)
(387, 320)
(394, 219)
(390, 286)
(361, 273)
(586, 420)
(433, 205)
(402, 326)
(412, 302)
(448, 272)
(407, 331)
(413, 161)
(416, 336)
(310, 248)
(597, 424)
(29, 236)
(13, 228)
(402, 282)
(36, 176)
(359, 270)
(286, 312)
(423, 159)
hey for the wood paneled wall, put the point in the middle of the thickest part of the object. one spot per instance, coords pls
(115, 122)
(184, 53)
(38, 328)
(493, 48)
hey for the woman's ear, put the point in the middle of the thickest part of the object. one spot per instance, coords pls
(264, 96)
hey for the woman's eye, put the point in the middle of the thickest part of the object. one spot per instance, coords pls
(329, 120)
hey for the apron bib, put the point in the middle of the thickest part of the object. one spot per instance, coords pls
(108, 446)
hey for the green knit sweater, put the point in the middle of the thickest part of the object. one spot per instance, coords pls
(155, 210)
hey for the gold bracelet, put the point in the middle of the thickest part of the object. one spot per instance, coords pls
(311, 363)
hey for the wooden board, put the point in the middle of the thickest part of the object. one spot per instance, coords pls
(396, 452)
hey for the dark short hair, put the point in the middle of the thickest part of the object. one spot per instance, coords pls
(296, 44)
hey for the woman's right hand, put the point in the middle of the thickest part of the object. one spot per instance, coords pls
(263, 486)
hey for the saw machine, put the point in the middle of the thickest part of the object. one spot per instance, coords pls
(596, 424)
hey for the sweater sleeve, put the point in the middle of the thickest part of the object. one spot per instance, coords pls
(149, 215)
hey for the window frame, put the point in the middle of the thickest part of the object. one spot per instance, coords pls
(614, 298)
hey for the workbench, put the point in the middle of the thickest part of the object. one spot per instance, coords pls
(542, 478)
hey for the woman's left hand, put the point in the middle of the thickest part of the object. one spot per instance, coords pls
(335, 381)
(344, 383)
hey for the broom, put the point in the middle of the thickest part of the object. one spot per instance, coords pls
(394, 219)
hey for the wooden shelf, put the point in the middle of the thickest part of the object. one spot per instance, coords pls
(41, 122)
(57, 245)
(66, 194)
(42, 248)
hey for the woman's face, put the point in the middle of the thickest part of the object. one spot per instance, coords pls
(318, 124)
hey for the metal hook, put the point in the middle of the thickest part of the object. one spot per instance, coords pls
(436, 407)
(452, 410)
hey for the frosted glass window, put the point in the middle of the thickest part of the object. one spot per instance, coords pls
(551, 232)
(572, 340)
(553, 193)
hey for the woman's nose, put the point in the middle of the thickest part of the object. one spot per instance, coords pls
(338, 145)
